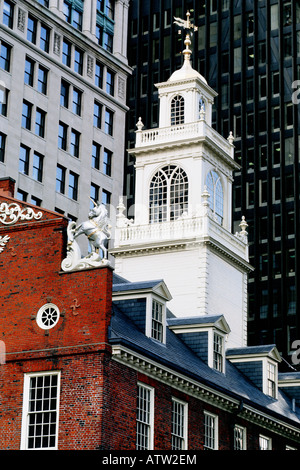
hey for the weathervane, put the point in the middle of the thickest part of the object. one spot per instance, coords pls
(186, 24)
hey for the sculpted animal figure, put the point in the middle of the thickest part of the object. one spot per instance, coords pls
(96, 229)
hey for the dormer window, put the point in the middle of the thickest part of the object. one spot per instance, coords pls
(216, 200)
(157, 321)
(177, 110)
(218, 352)
(271, 380)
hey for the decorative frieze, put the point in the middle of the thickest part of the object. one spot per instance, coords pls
(12, 213)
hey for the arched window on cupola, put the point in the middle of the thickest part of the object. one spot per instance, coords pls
(168, 196)
(216, 200)
(177, 110)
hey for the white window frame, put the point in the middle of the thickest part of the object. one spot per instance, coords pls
(26, 411)
(265, 443)
(218, 364)
(239, 438)
(214, 431)
(181, 434)
(149, 424)
(150, 300)
(210, 359)
(268, 379)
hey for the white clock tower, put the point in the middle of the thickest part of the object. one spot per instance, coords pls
(181, 231)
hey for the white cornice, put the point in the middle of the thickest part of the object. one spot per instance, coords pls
(203, 392)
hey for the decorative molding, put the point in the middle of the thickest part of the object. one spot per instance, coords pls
(203, 392)
(3, 241)
(11, 213)
(21, 20)
(56, 44)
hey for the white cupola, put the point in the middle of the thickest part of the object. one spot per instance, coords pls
(182, 217)
(186, 95)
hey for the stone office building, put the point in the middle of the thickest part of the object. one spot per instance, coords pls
(63, 72)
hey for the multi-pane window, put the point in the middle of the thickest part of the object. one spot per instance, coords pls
(97, 114)
(40, 411)
(3, 101)
(107, 162)
(96, 155)
(40, 118)
(108, 123)
(37, 171)
(210, 431)
(218, 353)
(110, 81)
(60, 179)
(45, 3)
(29, 71)
(64, 93)
(31, 29)
(239, 438)
(107, 41)
(168, 198)
(144, 418)
(26, 115)
(62, 136)
(157, 321)
(265, 443)
(2, 146)
(44, 38)
(5, 53)
(66, 52)
(94, 193)
(8, 13)
(74, 143)
(99, 74)
(179, 425)
(22, 195)
(177, 110)
(73, 186)
(42, 80)
(216, 200)
(106, 7)
(106, 198)
(73, 13)
(104, 38)
(24, 159)
(76, 103)
(271, 380)
(78, 60)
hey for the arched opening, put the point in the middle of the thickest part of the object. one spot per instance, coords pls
(216, 200)
(168, 196)
(177, 110)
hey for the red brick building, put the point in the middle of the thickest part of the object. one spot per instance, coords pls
(95, 362)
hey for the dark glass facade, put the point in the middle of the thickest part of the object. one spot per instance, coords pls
(249, 52)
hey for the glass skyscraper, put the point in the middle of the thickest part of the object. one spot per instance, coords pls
(249, 52)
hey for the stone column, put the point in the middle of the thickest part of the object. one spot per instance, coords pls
(121, 27)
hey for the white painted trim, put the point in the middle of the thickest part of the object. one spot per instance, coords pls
(24, 425)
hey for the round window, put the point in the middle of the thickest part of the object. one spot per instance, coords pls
(47, 316)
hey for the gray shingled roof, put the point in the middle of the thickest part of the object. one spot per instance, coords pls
(177, 355)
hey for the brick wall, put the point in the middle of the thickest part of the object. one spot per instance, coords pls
(30, 264)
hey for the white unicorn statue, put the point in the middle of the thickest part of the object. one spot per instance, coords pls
(97, 230)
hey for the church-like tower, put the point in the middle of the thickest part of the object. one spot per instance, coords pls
(183, 207)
